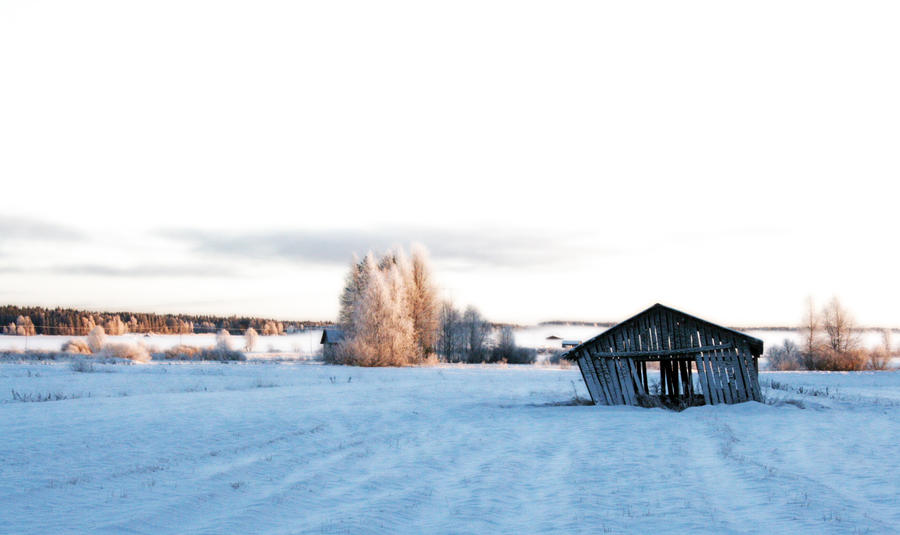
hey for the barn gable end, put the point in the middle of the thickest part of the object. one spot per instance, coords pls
(614, 363)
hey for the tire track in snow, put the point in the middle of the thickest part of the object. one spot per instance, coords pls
(786, 497)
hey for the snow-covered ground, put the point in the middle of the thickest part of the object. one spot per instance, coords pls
(264, 447)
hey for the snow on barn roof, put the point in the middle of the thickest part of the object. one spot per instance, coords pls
(756, 345)
(331, 335)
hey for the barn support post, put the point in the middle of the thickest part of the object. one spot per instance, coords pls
(644, 373)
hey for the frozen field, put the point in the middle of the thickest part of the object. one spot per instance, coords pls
(303, 345)
(536, 336)
(308, 448)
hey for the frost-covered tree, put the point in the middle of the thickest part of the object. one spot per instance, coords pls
(450, 334)
(96, 339)
(785, 357)
(354, 288)
(76, 345)
(476, 332)
(23, 326)
(250, 339)
(880, 357)
(115, 326)
(422, 301)
(381, 332)
(839, 326)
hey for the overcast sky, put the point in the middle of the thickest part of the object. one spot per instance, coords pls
(561, 160)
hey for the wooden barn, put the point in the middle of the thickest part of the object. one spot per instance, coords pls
(331, 337)
(699, 362)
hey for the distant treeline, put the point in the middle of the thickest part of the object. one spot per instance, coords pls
(579, 323)
(30, 321)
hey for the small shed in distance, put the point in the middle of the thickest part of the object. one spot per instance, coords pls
(331, 337)
(614, 363)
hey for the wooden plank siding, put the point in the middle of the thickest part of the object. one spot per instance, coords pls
(590, 378)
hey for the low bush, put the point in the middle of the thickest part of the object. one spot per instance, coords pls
(879, 359)
(182, 352)
(96, 339)
(218, 353)
(788, 357)
(785, 357)
(185, 352)
(132, 352)
(76, 346)
(828, 359)
(513, 355)
(82, 366)
(556, 357)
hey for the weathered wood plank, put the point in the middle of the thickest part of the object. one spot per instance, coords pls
(739, 386)
(601, 378)
(636, 377)
(612, 381)
(724, 380)
(733, 375)
(743, 354)
(644, 377)
(715, 393)
(590, 378)
(704, 384)
(654, 354)
(627, 382)
(582, 365)
(739, 380)
(624, 382)
(747, 357)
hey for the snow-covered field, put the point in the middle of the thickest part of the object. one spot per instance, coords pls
(263, 447)
(302, 345)
(536, 336)
(305, 345)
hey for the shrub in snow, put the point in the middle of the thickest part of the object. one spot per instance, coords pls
(96, 339)
(217, 353)
(507, 351)
(183, 352)
(132, 352)
(841, 360)
(76, 345)
(785, 357)
(879, 359)
(514, 355)
(250, 339)
(223, 340)
(82, 366)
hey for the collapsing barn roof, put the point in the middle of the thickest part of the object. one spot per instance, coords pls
(614, 363)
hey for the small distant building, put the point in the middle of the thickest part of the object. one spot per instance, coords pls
(331, 337)
(568, 344)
